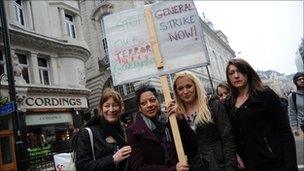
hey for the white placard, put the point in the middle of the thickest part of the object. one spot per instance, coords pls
(180, 35)
(130, 52)
(180, 38)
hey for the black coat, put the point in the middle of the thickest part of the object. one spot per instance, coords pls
(104, 150)
(264, 138)
(215, 147)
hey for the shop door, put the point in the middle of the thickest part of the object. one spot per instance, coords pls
(7, 151)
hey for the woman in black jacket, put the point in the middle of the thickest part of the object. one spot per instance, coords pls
(111, 151)
(264, 138)
(211, 128)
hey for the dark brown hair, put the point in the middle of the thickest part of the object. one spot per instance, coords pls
(254, 81)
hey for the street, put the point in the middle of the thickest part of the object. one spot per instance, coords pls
(300, 151)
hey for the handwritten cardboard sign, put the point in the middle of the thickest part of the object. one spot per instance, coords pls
(179, 35)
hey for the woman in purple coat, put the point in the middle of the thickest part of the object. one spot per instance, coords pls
(150, 138)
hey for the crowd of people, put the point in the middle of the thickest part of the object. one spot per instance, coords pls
(245, 127)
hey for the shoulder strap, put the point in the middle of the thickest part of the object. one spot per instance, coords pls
(294, 99)
(91, 141)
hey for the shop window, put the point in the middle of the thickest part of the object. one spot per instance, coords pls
(23, 61)
(2, 64)
(70, 25)
(44, 71)
(6, 150)
(45, 140)
(19, 11)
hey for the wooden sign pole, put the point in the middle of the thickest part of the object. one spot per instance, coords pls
(165, 87)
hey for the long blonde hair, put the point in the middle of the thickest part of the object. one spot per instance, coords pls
(203, 113)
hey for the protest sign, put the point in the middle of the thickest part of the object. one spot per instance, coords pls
(179, 35)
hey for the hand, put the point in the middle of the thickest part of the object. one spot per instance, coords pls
(122, 154)
(240, 164)
(173, 109)
(182, 167)
(296, 132)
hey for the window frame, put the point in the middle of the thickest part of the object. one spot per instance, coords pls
(25, 66)
(70, 25)
(41, 70)
(19, 9)
(125, 89)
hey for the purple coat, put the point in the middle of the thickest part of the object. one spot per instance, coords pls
(148, 153)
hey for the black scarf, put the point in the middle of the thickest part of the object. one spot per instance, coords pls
(114, 130)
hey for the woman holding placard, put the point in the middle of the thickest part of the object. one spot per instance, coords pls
(150, 137)
(211, 128)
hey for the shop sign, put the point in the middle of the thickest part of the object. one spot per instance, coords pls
(37, 102)
(42, 119)
(39, 155)
(7, 108)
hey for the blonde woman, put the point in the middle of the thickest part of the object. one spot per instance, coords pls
(215, 148)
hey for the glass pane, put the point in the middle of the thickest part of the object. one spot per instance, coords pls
(46, 78)
(40, 76)
(42, 62)
(68, 29)
(1, 69)
(119, 89)
(18, 2)
(68, 17)
(73, 31)
(21, 17)
(1, 56)
(25, 75)
(6, 150)
(17, 12)
(4, 123)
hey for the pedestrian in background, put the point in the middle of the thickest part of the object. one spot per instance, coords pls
(150, 138)
(296, 104)
(223, 91)
(209, 122)
(263, 136)
(110, 147)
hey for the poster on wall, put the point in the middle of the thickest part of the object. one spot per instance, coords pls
(179, 36)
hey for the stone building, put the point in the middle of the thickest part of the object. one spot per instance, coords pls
(49, 54)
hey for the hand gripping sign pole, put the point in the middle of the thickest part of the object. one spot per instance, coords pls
(165, 87)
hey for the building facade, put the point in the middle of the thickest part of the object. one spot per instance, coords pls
(49, 52)
(299, 60)
(219, 53)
